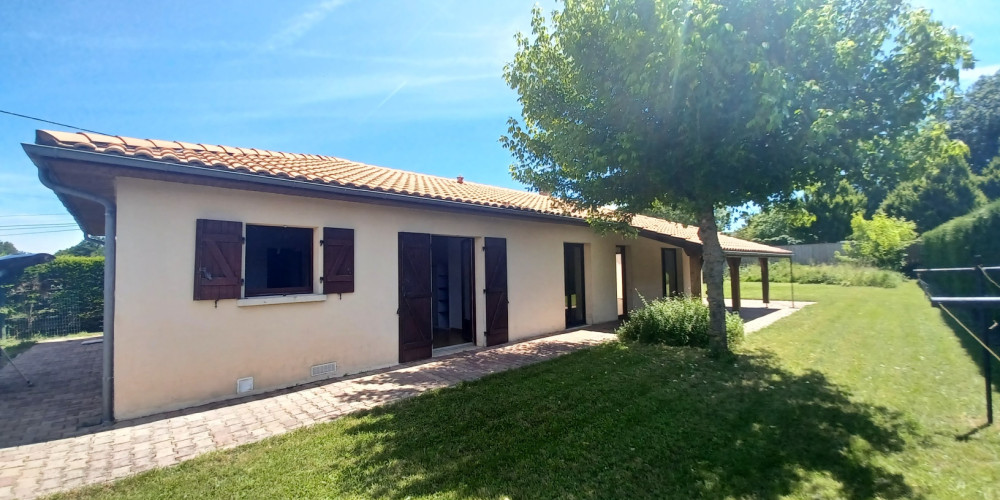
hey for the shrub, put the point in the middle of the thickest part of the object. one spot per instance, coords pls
(780, 271)
(73, 285)
(679, 321)
(958, 242)
(881, 241)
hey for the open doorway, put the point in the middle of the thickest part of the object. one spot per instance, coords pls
(621, 285)
(451, 275)
(576, 313)
(671, 273)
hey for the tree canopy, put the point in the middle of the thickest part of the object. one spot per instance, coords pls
(941, 187)
(710, 103)
(8, 248)
(975, 120)
(85, 248)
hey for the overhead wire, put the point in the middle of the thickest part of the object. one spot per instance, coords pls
(39, 226)
(43, 120)
(40, 232)
(36, 215)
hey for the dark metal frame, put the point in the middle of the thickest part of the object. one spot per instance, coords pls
(980, 305)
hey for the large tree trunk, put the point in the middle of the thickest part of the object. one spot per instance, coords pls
(708, 231)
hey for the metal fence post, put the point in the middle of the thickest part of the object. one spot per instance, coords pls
(984, 334)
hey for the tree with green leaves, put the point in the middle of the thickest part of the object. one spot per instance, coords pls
(942, 187)
(881, 241)
(975, 120)
(781, 224)
(714, 103)
(85, 248)
(989, 179)
(8, 248)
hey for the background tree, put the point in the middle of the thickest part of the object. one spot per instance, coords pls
(8, 248)
(833, 204)
(782, 224)
(940, 187)
(989, 179)
(85, 248)
(975, 120)
(715, 103)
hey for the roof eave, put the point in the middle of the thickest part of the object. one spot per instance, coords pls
(38, 153)
(748, 253)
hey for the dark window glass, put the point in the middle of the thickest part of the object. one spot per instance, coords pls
(278, 260)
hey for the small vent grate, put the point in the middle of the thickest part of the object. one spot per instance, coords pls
(323, 369)
(244, 385)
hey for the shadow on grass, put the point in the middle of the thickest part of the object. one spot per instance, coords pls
(973, 348)
(622, 421)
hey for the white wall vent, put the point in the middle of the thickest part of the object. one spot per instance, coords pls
(244, 385)
(323, 369)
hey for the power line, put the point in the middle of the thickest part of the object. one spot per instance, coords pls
(19, 115)
(40, 232)
(36, 226)
(35, 215)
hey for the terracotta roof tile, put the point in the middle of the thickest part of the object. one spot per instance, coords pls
(340, 172)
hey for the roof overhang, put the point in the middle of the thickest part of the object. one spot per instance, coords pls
(95, 172)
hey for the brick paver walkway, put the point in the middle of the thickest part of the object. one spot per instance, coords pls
(112, 452)
(65, 395)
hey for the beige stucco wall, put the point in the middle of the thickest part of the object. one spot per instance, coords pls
(173, 352)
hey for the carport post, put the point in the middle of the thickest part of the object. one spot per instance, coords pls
(734, 280)
(765, 285)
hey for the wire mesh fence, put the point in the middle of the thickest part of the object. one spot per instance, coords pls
(63, 319)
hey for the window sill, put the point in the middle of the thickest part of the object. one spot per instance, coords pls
(281, 299)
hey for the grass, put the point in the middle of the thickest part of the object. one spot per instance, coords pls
(868, 393)
(13, 347)
(826, 274)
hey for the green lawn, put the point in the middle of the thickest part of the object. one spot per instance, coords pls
(866, 394)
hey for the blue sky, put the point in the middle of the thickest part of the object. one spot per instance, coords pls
(409, 84)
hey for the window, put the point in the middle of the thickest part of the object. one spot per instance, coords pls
(278, 260)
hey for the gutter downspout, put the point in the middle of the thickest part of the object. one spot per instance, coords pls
(110, 212)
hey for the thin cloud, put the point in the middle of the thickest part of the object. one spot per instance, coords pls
(300, 25)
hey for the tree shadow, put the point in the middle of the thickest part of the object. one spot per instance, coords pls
(969, 344)
(622, 420)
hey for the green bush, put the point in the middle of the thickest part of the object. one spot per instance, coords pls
(679, 321)
(881, 241)
(65, 285)
(957, 243)
(781, 271)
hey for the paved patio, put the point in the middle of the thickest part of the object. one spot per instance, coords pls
(65, 394)
(757, 315)
(61, 457)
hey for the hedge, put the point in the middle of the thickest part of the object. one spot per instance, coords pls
(957, 243)
(65, 286)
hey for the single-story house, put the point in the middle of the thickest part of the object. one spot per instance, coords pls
(234, 270)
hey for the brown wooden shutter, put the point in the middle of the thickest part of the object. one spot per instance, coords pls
(416, 329)
(338, 260)
(496, 291)
(218, 261)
